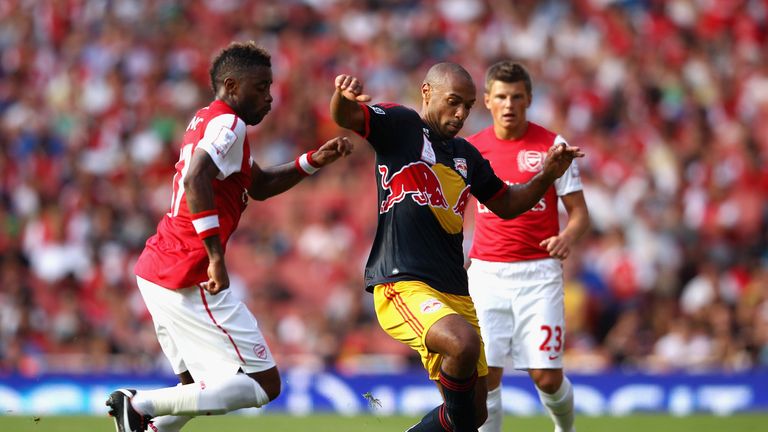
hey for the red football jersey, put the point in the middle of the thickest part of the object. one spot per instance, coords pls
(516, 161)
(175, 257)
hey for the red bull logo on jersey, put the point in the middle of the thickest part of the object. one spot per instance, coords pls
(431, 306)
(460, 164)
(416, 180)
(438, 187)
(461, 203)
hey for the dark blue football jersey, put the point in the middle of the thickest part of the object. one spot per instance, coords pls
(424, 183)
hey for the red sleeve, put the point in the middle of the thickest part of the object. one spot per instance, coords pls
(366, 121)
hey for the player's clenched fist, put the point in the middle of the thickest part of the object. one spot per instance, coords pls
(218, 278)
(351, 88)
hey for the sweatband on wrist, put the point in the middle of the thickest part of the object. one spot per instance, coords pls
(206, 223)
(305, 165)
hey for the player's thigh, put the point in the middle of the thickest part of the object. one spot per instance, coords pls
(170, 349)
(539, 311)
(407, 310)
(216, 335)
(492, 299)
(155, 297)
(231, 335)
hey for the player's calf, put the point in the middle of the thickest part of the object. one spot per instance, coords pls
(460, 404)
(434, 421)
(203, 398)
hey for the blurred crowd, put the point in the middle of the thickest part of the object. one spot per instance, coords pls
(665, 97)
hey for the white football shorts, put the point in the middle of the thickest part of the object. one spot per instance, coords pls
(211, 336)
(520, 309)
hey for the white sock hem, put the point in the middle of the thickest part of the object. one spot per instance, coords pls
(495, 412)
(557, 396)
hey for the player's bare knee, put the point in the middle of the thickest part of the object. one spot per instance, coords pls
(549, 381)
(467, 352)
(470, 344)
(273, 389)
(269, 381)
(270, 385)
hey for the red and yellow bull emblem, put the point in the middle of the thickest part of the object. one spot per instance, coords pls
(415, 179)
(438, 186)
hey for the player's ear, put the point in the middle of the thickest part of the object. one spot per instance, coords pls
(230, 86)
(426, 91)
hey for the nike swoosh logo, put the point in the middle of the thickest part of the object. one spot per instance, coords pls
(553, 357)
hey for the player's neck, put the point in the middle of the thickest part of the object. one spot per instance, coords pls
(434, 130)
(514, 133)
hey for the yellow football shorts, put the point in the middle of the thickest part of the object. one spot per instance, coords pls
(407, 309)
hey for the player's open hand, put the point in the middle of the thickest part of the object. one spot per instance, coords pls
(559, 158)
(351, 88)
(218, 278)
(332, 150)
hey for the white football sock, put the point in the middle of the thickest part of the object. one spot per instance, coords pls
(202, 398)
(560, 406)
(495, 411)
(168, 423)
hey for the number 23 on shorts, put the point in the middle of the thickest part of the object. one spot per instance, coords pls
(551, 333)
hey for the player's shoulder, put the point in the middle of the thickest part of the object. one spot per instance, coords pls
(219, 115)
(540, 134)
(392, 109)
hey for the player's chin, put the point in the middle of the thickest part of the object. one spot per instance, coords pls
(451, 129)
(257, 117)
(508, 121)
(253, 120)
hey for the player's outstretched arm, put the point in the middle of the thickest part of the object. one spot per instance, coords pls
(518, 199)
(345, 109)
(274, 180)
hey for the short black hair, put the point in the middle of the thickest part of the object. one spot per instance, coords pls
(439, 72)
(236, 58)
(508, 72)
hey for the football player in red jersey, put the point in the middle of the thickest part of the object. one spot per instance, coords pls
(515, 274)
(211, 338)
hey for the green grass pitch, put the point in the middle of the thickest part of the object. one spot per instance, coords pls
(371, 423)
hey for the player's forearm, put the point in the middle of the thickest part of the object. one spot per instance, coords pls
(274, 181)
(518, 199)
(578, 224)
(200, 200)
(347, 113)
(212, 245)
